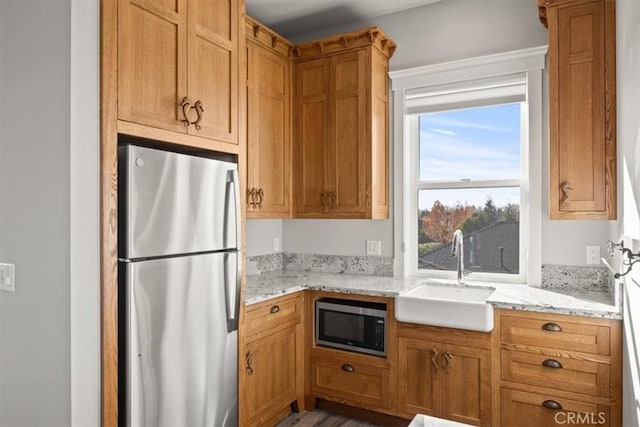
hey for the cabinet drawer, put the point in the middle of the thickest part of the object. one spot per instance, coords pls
(273, 315)
(557, 334)
(519, 408)
(559, 373)
(356, 382)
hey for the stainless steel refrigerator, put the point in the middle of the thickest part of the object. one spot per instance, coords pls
(179, 288)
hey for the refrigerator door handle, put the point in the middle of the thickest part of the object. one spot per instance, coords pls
(232, 289)
(232, 189)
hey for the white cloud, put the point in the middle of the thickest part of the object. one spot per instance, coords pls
(439, 120)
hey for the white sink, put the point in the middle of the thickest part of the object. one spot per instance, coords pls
(448, 305)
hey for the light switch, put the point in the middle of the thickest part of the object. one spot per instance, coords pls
(7, 277)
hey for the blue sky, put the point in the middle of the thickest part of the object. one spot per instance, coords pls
(478, 143)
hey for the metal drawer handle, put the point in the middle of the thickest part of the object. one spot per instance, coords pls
(274, 309)
(552, 404)
(551, 327)
(348, 368)
(550, 363)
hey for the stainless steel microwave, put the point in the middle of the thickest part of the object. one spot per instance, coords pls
(352, 325)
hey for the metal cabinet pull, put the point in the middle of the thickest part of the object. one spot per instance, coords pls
(249, 359)
(260, 195)
(447, 361)
(274, 309)
(324, 198)
(251, 197)
(551, 363)
(551, 327)
(567, 189)
(348, 368)
(552, 404)
(333, 198)
(199, 113)
(434, 358)
(186, 106)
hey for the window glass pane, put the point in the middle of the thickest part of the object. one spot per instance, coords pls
(475, 143)
(490, 222)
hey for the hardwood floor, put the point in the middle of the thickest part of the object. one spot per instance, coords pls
(320, 418)
(333, 414)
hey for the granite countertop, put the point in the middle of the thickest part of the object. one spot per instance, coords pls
(264, 286)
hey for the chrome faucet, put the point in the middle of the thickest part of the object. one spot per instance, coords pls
(457, 250)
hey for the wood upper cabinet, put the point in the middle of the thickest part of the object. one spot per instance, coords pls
(582, 104)
(340, 116)
(178, 58)
(443, 379)
(312, 121)
(269, 87)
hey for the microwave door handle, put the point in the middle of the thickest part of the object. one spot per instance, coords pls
(232, 191)
(232, 290)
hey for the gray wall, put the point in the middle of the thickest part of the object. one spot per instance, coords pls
(85, 213)
(628, 64)
(34, 212)
(446, 31)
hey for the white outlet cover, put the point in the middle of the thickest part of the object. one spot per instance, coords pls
(8, 277)
(374, 247)
(593, 254)
(276, 244)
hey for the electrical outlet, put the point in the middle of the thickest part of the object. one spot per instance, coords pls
(593, 254)
(374, 247)
(7, 277)
(276, 244)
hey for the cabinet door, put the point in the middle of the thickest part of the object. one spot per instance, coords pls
(152, 60)
(419, 382)
(312, 120)
(582, 152)
(213, 66)
(268, 133)
(466, 385)
(269, 377)
(348, 154)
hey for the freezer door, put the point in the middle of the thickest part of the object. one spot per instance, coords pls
(181, 358)
(175, 204)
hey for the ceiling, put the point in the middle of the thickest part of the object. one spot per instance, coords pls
(294, 17)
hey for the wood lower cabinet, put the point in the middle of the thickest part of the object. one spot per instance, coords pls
(341, 122)
(582, 108)
(178, 64)
(439, 378)
(558, 369)
(269, 87)
(271, 371)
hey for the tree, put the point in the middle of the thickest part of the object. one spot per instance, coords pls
(490, 211)
(511, 213)
(442, 221)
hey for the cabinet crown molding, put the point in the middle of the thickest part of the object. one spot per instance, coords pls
(372, 36)
(258, 32)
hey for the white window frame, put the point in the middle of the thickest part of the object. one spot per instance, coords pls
(531, 63)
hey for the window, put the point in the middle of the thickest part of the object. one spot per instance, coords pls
(468, 141)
